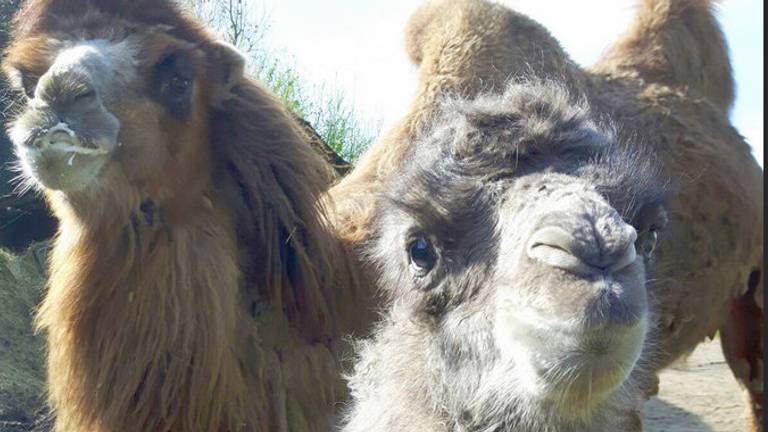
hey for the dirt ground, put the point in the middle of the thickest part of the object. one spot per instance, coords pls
(697, 395)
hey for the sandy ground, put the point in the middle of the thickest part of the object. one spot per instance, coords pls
(697, 395)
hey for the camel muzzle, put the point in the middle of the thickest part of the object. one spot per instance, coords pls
(590, 254)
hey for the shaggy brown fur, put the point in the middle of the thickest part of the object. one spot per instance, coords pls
(667, 85)
(200, 289)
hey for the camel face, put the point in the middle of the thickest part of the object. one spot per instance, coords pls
(113, 102)
(522, 237)
(67, 133)
(570, 303)
(98, 116)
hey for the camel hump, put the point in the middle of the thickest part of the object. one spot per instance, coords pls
(420, 26)
(677, 43)
(471, 45)
(436, 22)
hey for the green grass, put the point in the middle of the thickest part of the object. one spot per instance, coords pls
(327, 110)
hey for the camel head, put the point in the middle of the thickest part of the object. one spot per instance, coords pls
(117, 95)
(520, 237)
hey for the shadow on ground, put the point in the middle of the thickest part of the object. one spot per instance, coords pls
(697, 394)
(662, 416)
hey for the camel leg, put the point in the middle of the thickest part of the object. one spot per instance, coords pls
(742, 340)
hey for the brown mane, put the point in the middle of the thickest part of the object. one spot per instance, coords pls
(217, 302)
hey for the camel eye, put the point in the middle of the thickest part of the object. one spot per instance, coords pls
(173, 79)
(179, 85)
(649, 242)
(422, 255)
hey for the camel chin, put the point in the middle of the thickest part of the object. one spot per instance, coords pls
(579, 358)
(570, 367)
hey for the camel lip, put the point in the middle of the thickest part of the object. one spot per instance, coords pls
(576, 332)
(61, 138)
(58, 158)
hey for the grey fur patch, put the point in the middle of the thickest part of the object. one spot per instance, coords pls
(433, 362)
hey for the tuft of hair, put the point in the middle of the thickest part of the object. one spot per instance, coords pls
(538, 121)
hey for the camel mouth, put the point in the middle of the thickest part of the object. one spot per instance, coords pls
(61, 139)
(58, 158)
(586, 375)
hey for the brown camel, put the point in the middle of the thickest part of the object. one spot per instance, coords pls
(667, 86)
(194, 283)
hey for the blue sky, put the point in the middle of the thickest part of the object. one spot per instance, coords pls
(356, 46)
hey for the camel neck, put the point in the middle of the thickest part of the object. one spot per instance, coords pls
(131, 305)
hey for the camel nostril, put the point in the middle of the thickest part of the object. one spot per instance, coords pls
(556, 247)
(575, 253)
(623, 259)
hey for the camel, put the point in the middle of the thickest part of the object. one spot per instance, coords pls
(515, 245)
(667, 88)
(195, 283)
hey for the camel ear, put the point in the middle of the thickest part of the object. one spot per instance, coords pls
(228, 65)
